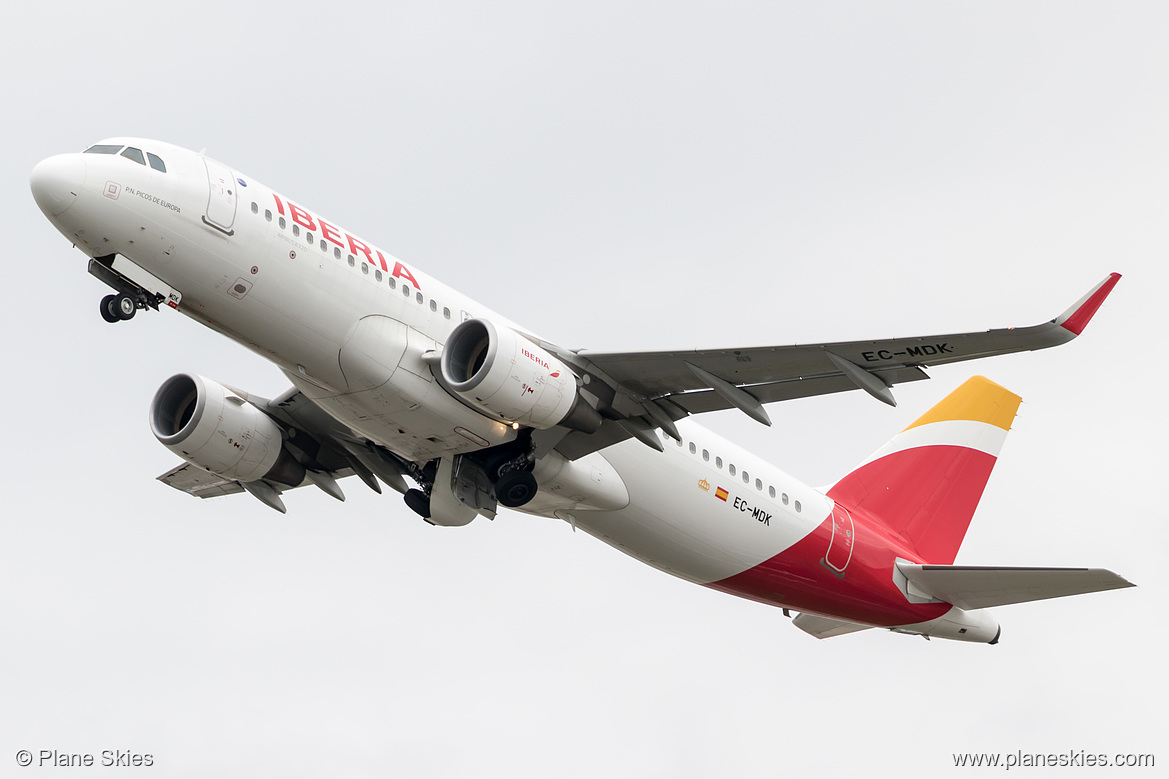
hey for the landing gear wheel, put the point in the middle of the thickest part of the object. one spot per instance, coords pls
(108, 311)
(419, 502)
(125, 306)
(516, 488)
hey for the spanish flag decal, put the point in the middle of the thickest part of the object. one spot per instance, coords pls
(721, 494)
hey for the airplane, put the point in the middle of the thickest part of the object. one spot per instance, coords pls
(396, 376)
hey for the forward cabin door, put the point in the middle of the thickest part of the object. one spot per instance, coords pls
(221, 197)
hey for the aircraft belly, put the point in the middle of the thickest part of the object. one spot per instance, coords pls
(388, 395)
(675, 524)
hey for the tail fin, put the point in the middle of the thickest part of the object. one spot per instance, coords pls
(926, 482)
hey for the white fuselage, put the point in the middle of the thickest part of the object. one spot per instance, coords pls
(350, 325)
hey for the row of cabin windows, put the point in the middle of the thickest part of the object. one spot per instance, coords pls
(365, 266)
(718, 463)
(130, 153)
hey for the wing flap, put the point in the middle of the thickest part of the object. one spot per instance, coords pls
(971, 587)
(198, 482)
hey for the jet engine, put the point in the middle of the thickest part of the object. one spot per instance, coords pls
(209, 425)
(500, 373)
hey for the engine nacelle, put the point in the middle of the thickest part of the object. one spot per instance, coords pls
(210, 426)
(507, 377)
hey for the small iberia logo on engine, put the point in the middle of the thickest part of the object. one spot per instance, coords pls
(704, 485)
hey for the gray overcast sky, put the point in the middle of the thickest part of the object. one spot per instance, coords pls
(628, 175)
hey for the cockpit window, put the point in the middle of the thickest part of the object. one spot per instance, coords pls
(156, 162)
(134, 154)
(103, 148)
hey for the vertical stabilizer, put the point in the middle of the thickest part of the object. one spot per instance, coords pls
(926, 482)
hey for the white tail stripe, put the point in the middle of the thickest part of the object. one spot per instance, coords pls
(958, 432)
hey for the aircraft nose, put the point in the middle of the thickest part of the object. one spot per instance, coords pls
(56, 182)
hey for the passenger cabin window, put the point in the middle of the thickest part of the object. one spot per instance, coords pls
(746, 477)
(418, 297)
(446, 313)
(771, 491)
(433, 306)
(798, 506)
(268, 214)
(718, 462)
(134, 154)
(706, 455)
(295, 228)
(365, 268)
(283, 223)
(352, 261)
(255, 208)
(103, 148)
(731, 468)
(693, 448)
(157, 163)
(336, 253)
(759, 484)
(393, 282)
(377, 274)
(784, 498)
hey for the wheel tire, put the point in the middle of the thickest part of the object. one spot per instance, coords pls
(125, 306)
(419, 502)
(108, 312)
(516, 488)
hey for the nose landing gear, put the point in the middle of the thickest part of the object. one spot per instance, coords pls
(129, 295)
(118, 308)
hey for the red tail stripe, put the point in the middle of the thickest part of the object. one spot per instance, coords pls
(927, 495)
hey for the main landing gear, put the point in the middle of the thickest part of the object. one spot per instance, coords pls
(479, 481)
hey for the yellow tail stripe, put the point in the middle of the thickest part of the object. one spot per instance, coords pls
(978, 400)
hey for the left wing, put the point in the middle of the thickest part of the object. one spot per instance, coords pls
(640, 391)
(193, 480)
(326, 449)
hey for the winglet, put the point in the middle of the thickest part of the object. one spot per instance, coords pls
(1076, 318)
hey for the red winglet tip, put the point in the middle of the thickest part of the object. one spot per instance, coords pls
(1078, 319)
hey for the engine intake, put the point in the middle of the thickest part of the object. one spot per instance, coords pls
(500, 373)
(210, 426)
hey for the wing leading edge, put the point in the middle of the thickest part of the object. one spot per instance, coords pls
(640, 391)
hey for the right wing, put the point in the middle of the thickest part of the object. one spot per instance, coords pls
(640, 391)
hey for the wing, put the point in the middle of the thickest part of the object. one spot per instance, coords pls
(327, 449)
(640, 391)
(193, 480)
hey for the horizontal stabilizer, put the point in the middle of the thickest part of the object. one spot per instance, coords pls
(970, 587)
(825, 627)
